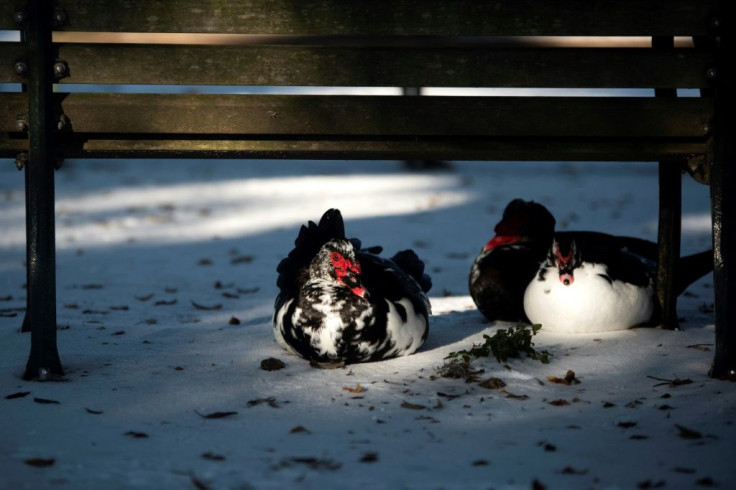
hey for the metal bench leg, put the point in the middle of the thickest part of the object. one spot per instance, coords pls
(43, 361)
(723, 205)
(670, 226)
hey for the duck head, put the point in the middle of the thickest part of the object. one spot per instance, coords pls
(523, 221)
(566, 257)
(336, 262)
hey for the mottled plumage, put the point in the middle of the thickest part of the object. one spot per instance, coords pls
(340, 303)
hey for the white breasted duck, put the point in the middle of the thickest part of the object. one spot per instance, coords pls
(508, 263)
(600, 288)
(340, 303)
(591, 290)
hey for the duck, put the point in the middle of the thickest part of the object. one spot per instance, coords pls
(507, 264)
(597, 289)
(341, 303)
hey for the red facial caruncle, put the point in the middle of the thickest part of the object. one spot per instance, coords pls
(348, 273)
(505, 233)
(565, 266)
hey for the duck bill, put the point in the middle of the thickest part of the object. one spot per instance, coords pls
(352, 280)
(566, 278)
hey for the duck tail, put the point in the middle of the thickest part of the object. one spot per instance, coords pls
(410, 262)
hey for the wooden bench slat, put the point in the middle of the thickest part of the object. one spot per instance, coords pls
(376, 66)
(461, 149)
(387, 17)
(223, 115)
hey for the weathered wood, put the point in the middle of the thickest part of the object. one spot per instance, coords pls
(400, 17)
(433, 66)
(10, 53)
(531, 117)
(382, 149)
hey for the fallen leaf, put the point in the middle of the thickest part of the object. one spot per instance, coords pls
(272, 364)
(492, 384)
(165, 302)
(198, 484)
(40, 462)
(93, 412)
(243, 259)
(569, 470)
(449, 397)
(19, 394)
(369, 458)
(686, 433)
(270, 401)
(646, 484)
(700, 347)
(206, 307)
(136, 435)
(568, 379)
(326, 365)
(627, 425)
(412, 406)
(234, 321)
(316, 463)
(608, 405)
(513, 396)
(216, 415)
(559, 403)
(120, 308)
(673, 383)
(357, 389)
(144, 298)
(480, 462)
(94, 312)
(210, 456)
(44, 401)
(537, 485)
(706, 482)
(299, 430)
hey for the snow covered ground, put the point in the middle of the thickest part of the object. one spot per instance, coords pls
(166, 281)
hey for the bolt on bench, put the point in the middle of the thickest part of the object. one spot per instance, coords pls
(67, 46)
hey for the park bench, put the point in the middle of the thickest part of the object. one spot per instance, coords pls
(674, 47)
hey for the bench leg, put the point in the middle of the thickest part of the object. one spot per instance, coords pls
(670, 226)
(43, 361)
(723, 206)
(723, 202)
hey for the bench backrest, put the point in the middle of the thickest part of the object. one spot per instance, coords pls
(216, 48)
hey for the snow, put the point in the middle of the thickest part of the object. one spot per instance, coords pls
(158, 259)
